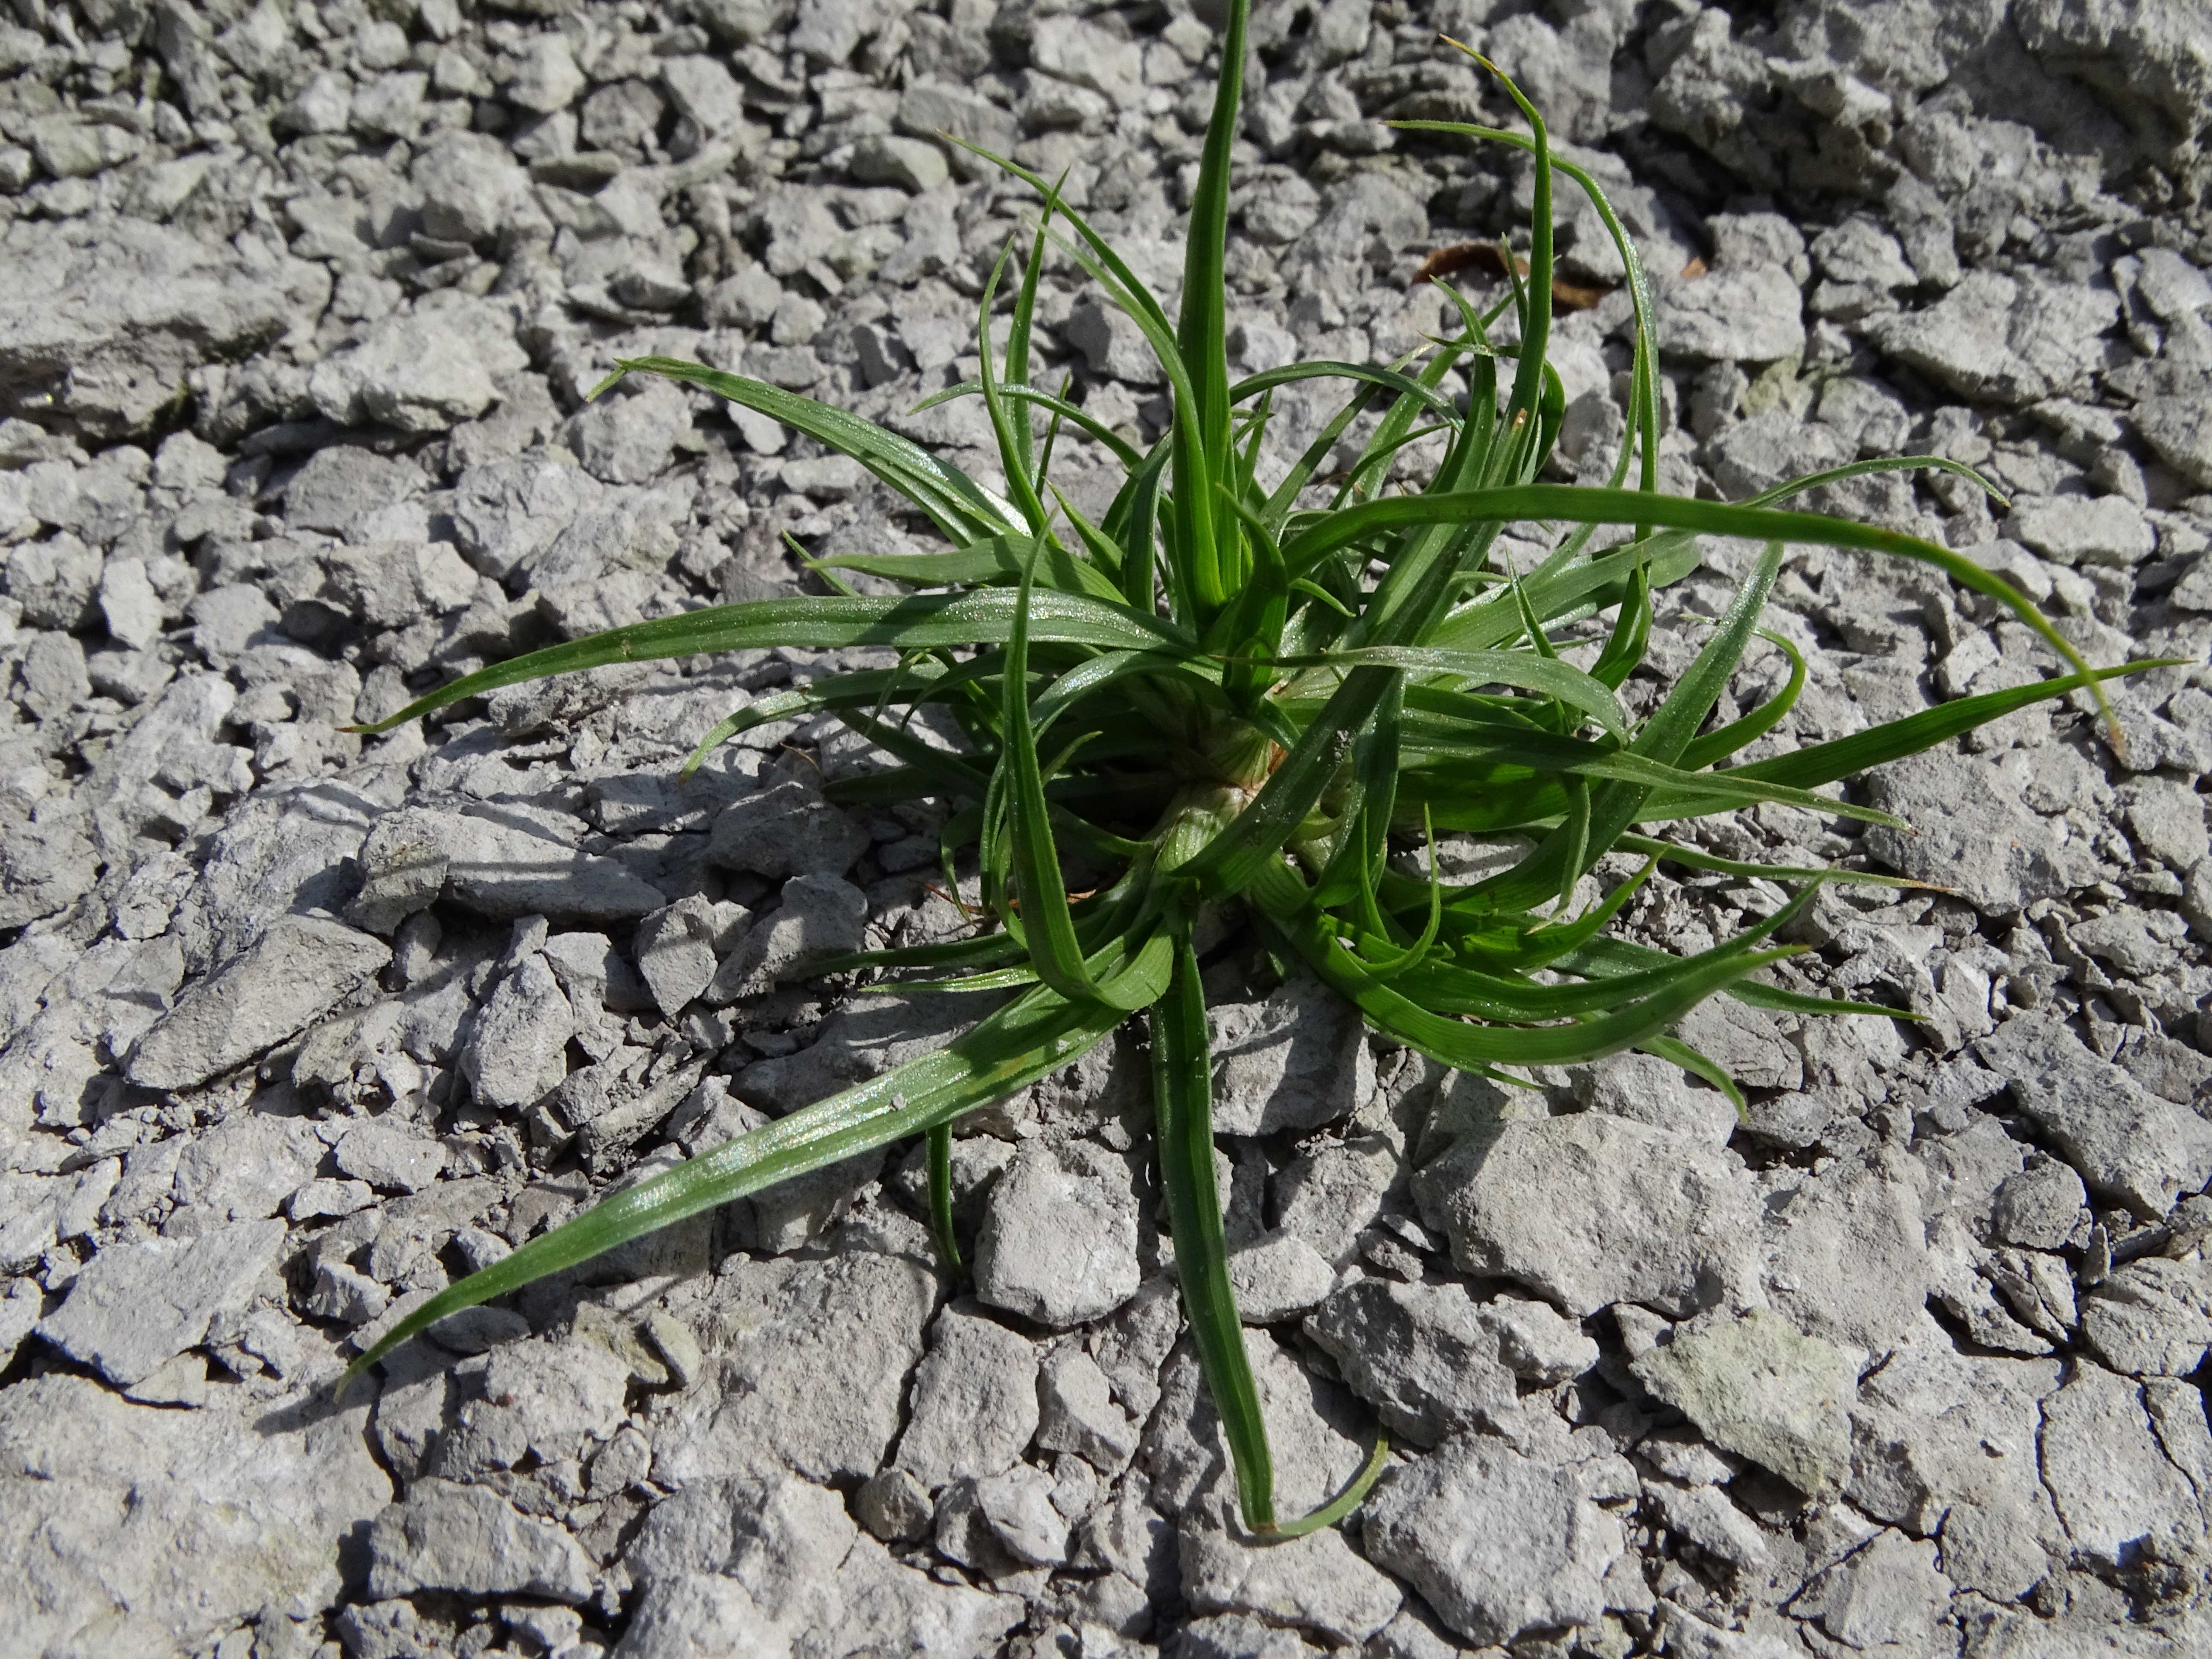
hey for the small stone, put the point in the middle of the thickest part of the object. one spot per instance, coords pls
(1419, 1355)
(674, 950)
(1017, 1505)
(1113, 344)
(2103, 530)
(346, 1295)
(301, 968)
(672, 1340)
(1535, 1342)
(129, 604)
(2152, 1317)
(705, 93)
(912, 164)
(895, 1507)
(2178, 428)
(787, 829)
(627, 437)
(327, 1198)
(1076, 1412)
(1296, 1060)
(1077, 51)
(54, 581)
(543, 77)
(517, 1048)
(1702, 1516)
(1058, 1244)
(504, 864)
(2168, 820)
(2039, 1207)
(388, 1155)
(814, 1381)
(2004, 339)
(53, 677)
(1317, 1582)
(135, 1307)
(1589, 1210)
(323, 105)
(1277, 1277)
(2124, 1141)
(1970, 831)
(228, 619)
(472, 188)
(2115, 1487)
(1888, 1592)
(1745, 315)
(821, 917)
(70, 149)
(421, 372)
(975, 1403)
(470, 1539)
(1645, 1089)
(1498, 1543)
(1758, 1387)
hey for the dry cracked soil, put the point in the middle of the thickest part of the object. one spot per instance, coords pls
(300, 300)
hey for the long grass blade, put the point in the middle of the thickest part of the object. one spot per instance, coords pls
(1182, 1113)
(979, 617)
(959, 507)
(1025, 1041)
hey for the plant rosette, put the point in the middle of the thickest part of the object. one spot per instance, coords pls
(1238, 698)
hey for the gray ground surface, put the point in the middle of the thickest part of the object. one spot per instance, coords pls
(296, 304)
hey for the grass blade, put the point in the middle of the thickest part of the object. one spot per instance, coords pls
(979, 617)
(940, 1198)
(959, 507)
(1183, 1110)
(1025, 1041)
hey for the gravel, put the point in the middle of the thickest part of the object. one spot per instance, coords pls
(297, 1025)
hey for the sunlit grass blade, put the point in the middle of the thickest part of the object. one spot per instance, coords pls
(959, 507)
(1183, 1124)
(1017, 343)
(1046, 924)
(865, 687)
(1423, 393)
(1748, 729)
(1026, 1040)
(1205, 524)
(1625, 646)
(1670, 727)
(1015, 438)
(1466, 1047)
(1579, 503)
(1843, 758)
(1450, 988)
(918, 622)
(1547, 676)
(1616, 956)
(1052, 403)
(1182, 1104)
(1692, 858)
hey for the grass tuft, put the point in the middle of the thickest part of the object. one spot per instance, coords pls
(1242, 697)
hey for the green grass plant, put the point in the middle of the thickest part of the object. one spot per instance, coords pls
(1238, 699)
